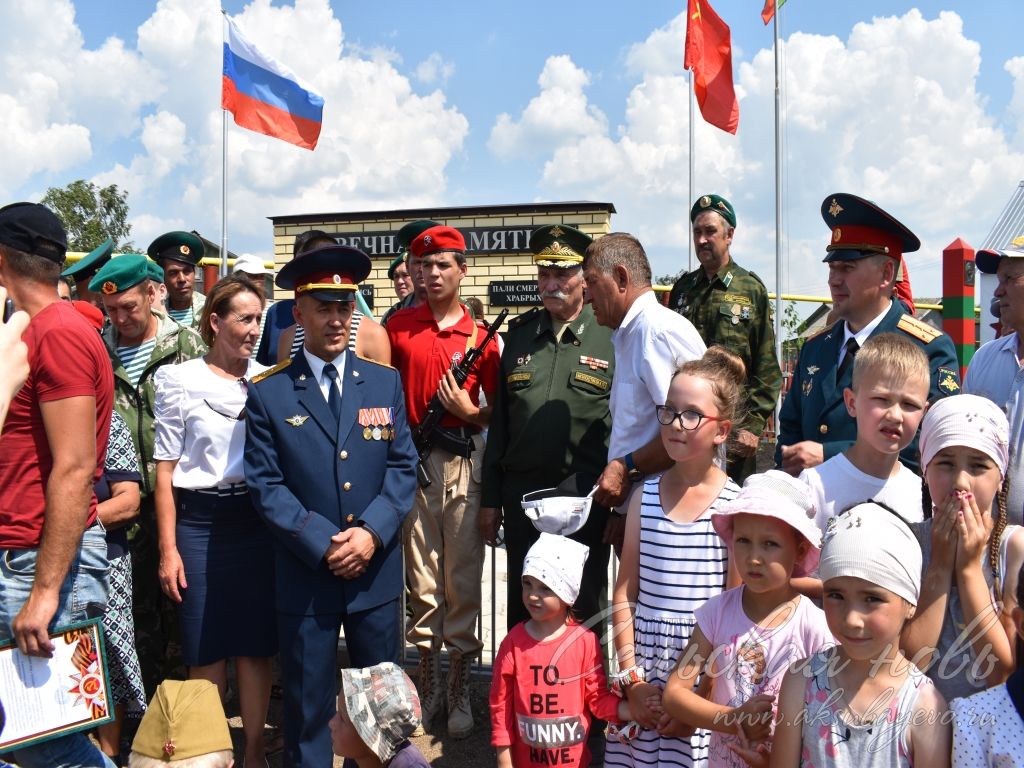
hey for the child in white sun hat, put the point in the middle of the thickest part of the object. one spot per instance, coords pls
(747, 637)
(549, 680)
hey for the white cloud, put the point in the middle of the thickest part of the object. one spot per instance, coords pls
(558, 115)
(163, 138)
(434, 69)
(63, 104)
(893, 113)
(57, 99)
(1015, 68)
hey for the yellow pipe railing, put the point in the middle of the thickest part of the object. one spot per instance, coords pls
(816, 299)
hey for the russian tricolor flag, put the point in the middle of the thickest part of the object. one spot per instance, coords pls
(267, 97)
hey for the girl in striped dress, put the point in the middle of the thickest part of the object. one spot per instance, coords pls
(673, 560)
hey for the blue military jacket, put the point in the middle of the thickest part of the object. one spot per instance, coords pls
(311, 477)
(814, 407)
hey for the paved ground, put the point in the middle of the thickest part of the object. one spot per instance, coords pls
(474, 751)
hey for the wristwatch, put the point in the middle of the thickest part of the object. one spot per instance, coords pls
(633, 473)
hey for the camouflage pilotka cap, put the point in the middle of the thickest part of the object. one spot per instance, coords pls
(185, 719)
(383, 706)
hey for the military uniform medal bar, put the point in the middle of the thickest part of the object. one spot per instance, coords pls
(377, 423)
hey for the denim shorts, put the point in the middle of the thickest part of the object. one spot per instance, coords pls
(83, 595)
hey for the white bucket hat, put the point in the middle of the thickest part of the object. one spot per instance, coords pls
(781, 496)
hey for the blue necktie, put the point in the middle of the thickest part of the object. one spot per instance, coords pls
(334, 398)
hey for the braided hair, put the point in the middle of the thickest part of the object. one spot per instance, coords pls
(997, 535)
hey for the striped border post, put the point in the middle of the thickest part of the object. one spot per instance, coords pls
(958, 282)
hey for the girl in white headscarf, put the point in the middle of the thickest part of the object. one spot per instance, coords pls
(962, 635)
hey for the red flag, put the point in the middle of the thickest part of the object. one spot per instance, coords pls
(769, 10)
(709, 57)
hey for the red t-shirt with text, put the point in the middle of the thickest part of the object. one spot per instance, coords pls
(545, 694)
(66, 359)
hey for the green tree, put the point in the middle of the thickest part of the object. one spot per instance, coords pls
(91, 214)
(791, 322)
(667, 279)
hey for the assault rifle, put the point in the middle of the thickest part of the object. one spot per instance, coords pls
(424, 433)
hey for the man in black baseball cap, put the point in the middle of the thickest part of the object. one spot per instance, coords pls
(54, 441)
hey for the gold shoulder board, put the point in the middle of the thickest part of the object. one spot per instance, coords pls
(271, 371)
(375, 362)
(919, 329)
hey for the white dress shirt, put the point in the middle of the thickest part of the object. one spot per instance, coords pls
(200, 423)
(316, 365)
(650, 344)
(862, 335)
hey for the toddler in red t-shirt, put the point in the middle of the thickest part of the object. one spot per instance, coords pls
(549, 682)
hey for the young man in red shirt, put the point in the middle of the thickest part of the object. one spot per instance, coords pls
(54, 441)
(443, 548)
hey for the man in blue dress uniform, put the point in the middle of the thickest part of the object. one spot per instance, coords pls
(330, 463)
(863, 258)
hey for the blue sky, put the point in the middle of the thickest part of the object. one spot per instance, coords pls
(445, 103)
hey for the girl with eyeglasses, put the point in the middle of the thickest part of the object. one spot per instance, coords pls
(672, 559)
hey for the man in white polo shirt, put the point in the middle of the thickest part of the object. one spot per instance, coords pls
(651, 342)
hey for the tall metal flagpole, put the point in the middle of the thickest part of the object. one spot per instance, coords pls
(778, 203)
(222, 269)
(689, 200)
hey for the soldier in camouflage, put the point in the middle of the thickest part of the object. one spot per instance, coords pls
(139, 341)
(729, 306)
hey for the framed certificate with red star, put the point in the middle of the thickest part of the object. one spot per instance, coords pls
(42, 699)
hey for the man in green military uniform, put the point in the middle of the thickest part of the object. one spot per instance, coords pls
(403, 239)
(140, 340)
(729, 306)
(178, 254)
(863, 258)
(551, 417)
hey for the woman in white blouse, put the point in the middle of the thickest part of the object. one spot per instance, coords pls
(215, 553)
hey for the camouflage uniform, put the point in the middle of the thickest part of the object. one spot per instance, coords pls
(155, 616)
(732, 311)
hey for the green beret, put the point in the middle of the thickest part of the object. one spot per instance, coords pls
(177, 246)
(399, 259)
(559, 245)
(412, 230)
(121, 273)
(156, 272)
(715, 203)
(89, 264)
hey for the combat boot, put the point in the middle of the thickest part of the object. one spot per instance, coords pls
(431, 688)
(460, 716)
